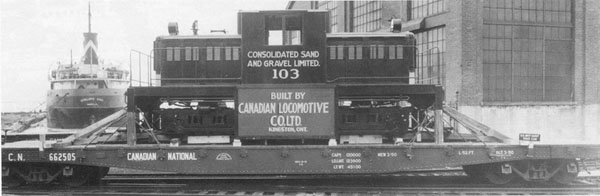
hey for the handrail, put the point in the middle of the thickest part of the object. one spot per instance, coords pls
(140, 55)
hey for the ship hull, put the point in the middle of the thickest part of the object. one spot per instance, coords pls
(79, 108)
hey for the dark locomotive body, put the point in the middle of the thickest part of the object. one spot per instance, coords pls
(365, 76)
(197, 60)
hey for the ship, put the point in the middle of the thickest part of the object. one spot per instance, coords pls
(84, 92)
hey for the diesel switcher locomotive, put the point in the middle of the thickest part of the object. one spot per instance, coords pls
(287, 82)
(284, 96)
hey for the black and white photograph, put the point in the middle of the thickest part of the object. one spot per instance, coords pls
(282, 97)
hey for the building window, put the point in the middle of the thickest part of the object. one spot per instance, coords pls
(424, 8)
(528, 51)
(367, 15)
(332, 7)
(431, 46)
(283, 30)
(532, 11)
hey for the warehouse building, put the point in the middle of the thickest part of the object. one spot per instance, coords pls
(519, 66)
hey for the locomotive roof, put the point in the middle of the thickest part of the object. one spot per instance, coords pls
(329, 35)
(279, 11)
(369, 34)
(231, 36)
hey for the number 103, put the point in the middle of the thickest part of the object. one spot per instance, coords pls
(286, 74)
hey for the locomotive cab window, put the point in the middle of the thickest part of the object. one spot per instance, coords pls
(283, 30)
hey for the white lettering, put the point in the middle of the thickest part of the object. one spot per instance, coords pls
(281, 95)
(256, 108)
(181, 156)
(62, 156)
(309, 54)
(281, 120)
(141, 156)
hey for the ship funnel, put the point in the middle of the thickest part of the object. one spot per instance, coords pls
(90, 45)
(90, 42)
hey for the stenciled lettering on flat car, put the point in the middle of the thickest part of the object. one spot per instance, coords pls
(62, 156)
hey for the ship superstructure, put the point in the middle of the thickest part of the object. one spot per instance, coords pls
(85, 92)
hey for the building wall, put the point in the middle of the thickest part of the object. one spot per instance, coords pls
(574, 118)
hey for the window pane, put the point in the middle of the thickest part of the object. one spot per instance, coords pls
(169, 54)
(227, 53)
(392, 52)
(236, 53)
(188, 53)
(332, 52)
(217, 53)
(195, 53)
(399, 52)
(177, 54)
(373, 52)
(209, 53)
(275, 38)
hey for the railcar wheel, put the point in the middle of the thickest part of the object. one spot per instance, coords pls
(567, 171)
(97, 175)
(12, 179)
(103, 171)
(474, 171)
(80, 175)
(493, 173)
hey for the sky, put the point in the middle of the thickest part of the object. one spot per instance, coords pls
(35, 34)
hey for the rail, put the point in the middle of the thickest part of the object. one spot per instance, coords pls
(476, 128)
(143, 63)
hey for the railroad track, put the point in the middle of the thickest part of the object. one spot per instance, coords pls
(181, 189)
(589, 180)
(420, 183)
